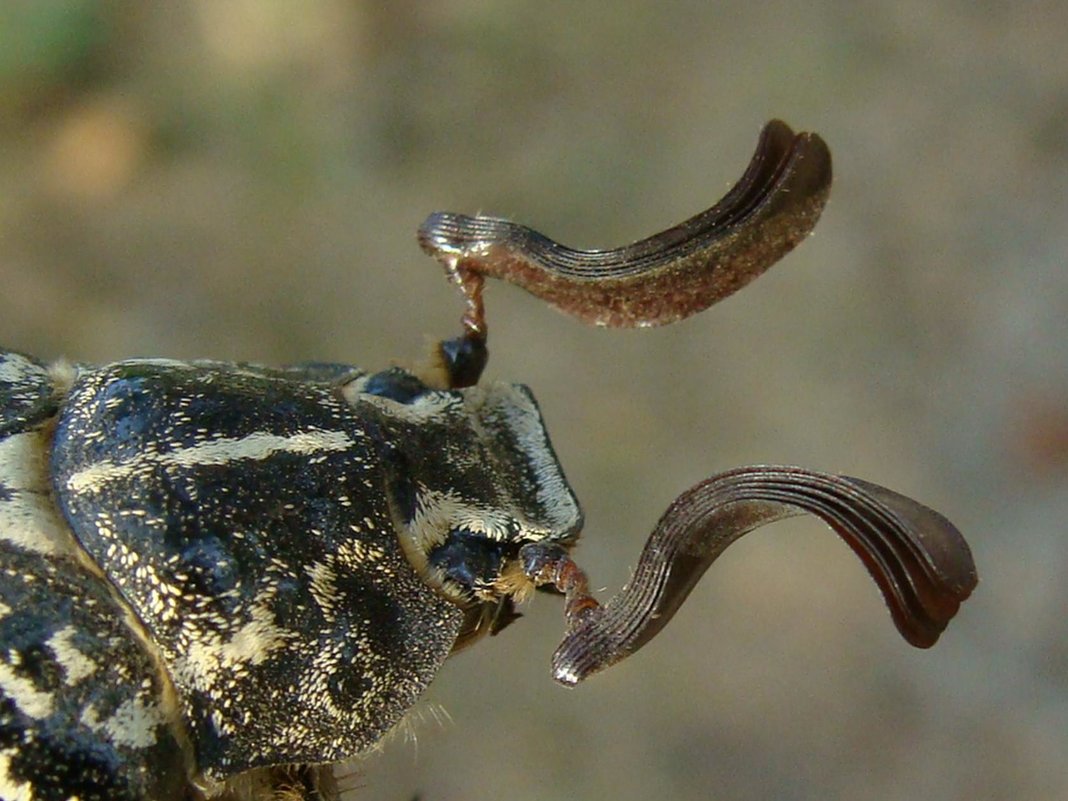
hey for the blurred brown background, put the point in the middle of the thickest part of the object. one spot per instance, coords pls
(242, 180)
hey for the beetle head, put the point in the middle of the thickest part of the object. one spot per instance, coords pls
(471, 478)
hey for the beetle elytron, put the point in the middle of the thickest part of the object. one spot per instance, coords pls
(219, 578)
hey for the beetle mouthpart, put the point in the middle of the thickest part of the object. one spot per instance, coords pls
(919, 560)
(661, 279)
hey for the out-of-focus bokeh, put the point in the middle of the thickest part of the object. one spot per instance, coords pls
(242, 180)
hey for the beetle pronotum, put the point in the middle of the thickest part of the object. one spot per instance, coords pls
(220, 578)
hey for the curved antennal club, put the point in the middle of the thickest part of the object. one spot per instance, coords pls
(661, 279)
(918, 558)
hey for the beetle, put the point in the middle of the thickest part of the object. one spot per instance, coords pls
(220, 578)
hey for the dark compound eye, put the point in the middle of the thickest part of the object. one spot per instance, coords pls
(471, 560)
(395, 384)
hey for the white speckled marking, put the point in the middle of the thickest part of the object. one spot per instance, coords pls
(29, 519)
(251, 643)
(28, 699)
(24, 461)
(15, 368)
(513, 405)
(438, 513)
(134, 724)
(75, 664)
(323, 588)
(356, 552)
(10, 790)
(257, 446)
